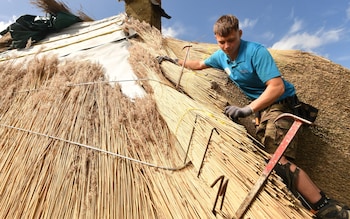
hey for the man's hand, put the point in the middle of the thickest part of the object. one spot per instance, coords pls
(160, 59)
(234, 112)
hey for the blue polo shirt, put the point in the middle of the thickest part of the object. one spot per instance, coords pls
(253, 67)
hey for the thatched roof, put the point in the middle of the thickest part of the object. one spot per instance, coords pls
(92, 126)
(74, 143)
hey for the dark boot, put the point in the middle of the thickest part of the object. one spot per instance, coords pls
(333, 210)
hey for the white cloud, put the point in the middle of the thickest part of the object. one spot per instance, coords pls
(303, 41)
(169, 32)
(5, 24)
(174, 31)
(295, 39)
(332, 35)
(247, 23)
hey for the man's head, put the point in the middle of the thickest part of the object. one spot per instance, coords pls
(225, 25)
(228, 35)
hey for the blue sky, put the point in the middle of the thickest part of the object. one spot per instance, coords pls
(318, 26)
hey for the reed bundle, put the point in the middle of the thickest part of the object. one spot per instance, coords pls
(229, 153)
(5, 42)
(206, 85)
(209, 85)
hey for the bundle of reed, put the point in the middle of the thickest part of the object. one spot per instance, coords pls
(207, 85)
(230, 153)
(5, 42)
(211, 82)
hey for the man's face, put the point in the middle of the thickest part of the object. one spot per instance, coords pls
(230, 43)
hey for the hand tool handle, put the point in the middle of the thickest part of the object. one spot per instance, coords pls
(268, 169)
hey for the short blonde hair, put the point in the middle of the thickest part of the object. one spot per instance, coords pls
(225, 25)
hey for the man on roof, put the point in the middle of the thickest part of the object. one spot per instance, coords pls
(251, 67)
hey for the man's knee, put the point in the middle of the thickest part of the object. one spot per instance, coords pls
(288, 176)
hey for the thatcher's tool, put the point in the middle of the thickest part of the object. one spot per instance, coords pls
(272, 163)
(183, 64)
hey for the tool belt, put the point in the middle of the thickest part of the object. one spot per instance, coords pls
(301, 109)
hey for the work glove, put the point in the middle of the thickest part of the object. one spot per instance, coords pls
(160, 59)
(234, 112)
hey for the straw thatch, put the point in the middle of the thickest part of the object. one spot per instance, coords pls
(5, 42)
(70, 150)
(83, 150)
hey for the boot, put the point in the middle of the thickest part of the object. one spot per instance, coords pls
(333, 210)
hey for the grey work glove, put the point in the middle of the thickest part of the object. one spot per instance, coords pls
(160, 59)
(234, 112)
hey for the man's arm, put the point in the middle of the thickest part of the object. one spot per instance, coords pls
(193, 64)
(274, 89)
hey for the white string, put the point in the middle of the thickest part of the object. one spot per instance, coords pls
(95, 82)
(97, 149)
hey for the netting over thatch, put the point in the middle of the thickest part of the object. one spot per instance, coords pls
(71, 149)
